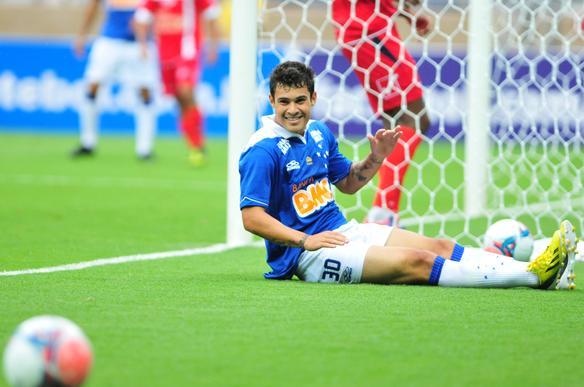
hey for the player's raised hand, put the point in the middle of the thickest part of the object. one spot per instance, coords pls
(384, 141)
(325, 239)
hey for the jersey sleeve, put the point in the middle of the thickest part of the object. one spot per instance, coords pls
(339, 166)
(149, 5)
(210, 9)
(256, 172)
(145, 10)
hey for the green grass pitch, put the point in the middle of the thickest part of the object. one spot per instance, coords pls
(212, 320)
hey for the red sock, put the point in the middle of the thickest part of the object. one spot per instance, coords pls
(389, 189)
(191, 124)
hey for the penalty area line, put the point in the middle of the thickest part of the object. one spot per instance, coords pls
(218, 248)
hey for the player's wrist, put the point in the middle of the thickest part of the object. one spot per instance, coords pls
(302, 241)
(376, 159)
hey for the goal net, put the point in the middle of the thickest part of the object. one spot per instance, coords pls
(502, 84)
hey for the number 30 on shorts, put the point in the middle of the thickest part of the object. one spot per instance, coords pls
(331, 270)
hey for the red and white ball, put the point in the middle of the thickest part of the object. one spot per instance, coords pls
(511, 238)
(47, 350)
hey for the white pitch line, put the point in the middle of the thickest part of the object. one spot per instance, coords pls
(218, 248)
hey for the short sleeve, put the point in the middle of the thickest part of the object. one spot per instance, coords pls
(148, 5)
(256, 172)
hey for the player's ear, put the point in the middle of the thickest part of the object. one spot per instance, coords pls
(272, 102)
(313, 98)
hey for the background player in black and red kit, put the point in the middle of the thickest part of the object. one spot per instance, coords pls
(368, 35)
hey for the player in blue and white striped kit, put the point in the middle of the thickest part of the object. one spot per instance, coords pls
(117, 54)
(286, 173)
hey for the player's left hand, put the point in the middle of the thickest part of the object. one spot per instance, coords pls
(384, 141)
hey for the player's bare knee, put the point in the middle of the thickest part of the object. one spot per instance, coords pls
(443, 247)
(92, 91)
(146, 96)
(418, 266)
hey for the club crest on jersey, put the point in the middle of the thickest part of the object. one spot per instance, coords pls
(312, 198)
(292, 165)
(284, 145)
(316, 135)
(308, 160)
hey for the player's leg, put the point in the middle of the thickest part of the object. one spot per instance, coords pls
(402, 265)
(388, 74)
(142, 73)
(414, 259)
(191, 121)
(145, 124)
(102, 61)
(439, 246)
(88, 122)
(410, 239)
(413, 120)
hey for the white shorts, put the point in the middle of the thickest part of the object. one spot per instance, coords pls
(121, 60)
(343, 264)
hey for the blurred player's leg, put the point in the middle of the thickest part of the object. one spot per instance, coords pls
(88, 117)
(143, 73)
(104, 59)
(145, 126)
(191, 123)
(180, 79)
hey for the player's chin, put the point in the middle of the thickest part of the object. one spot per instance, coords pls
(295, 125)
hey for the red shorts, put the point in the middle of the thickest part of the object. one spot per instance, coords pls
(392, 79)
(179, 72)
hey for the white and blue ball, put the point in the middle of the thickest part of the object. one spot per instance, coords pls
(47, 350)
(511, 238)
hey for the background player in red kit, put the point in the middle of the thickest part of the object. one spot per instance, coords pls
(179, 28)
(367, 33)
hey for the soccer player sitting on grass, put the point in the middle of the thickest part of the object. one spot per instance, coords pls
(286, 198)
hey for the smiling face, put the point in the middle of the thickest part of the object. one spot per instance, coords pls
(292, 107)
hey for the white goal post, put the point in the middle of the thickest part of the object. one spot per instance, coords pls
(503, 86)
(242, 111)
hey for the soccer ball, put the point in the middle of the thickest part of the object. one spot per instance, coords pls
(511, 238)
(47, 350)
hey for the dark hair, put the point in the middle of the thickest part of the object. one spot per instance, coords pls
(292, 74)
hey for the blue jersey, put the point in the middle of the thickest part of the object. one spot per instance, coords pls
(118, 18)
(291, 176)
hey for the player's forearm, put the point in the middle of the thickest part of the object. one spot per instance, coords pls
(89, 17)
(361, 173)
(260, 223)
(214, 31)
(142, 23)
(141, 30)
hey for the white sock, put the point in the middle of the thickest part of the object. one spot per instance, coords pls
(474, 253)
(494, 272)
(145, 129)
(88, 122)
